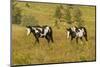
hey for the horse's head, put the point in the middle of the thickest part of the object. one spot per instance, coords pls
(28, 28)
(68, 32)
(74, 28)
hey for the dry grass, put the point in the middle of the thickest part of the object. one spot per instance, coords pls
(24, 51)
(62, 50)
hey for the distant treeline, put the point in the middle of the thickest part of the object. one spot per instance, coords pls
(63, 13)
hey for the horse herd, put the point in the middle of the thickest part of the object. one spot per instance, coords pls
(47, 33)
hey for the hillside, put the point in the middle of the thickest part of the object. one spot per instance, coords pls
(24, 51)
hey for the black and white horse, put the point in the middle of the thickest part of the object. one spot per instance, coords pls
(75, 32)
(40, 32)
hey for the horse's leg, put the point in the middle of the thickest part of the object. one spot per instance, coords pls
(71, 39)
(77, 40)
(85, 36)
(81, 40)
(36, 39)
(51, 38)
(47, 38)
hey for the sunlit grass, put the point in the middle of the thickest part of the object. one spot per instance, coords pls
(24, 51)
(62, 50)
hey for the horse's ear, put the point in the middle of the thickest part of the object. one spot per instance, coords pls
(27, 26)
(67, 28)
(75, 26)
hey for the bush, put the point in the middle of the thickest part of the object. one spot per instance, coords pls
(68, 16)
(77, 17)
(16, 13)
(29, 20)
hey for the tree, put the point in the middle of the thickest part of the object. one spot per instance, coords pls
(27, 5)
(68, 15)
(29, 20)
(77, 16)
(57, 15)
(16, 13)
(70, 6)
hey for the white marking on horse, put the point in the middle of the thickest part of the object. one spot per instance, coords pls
(73, 29)
(28, 31)
(40, 29)
(68, 34)
(36, 31)
(46, 30)
(80, 33)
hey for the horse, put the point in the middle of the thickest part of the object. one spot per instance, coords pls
(76, 33)
(40, 32)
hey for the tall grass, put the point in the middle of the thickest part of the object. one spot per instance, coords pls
(62, 50)
(24, 51)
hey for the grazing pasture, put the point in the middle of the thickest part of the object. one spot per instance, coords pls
(24, 51)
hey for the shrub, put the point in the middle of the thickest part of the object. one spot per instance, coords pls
(77, 17)
(29, 20)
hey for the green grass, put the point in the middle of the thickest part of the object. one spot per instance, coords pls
(62, 50)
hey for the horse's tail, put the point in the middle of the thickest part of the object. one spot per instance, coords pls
(51, 34)
(85, 30)
(85, 34)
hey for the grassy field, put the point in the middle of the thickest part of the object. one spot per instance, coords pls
(24, 51)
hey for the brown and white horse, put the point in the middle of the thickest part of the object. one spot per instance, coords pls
(75, 32)
(40, 32)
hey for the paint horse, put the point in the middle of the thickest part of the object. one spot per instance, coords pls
(75, 32)
(40, 32)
